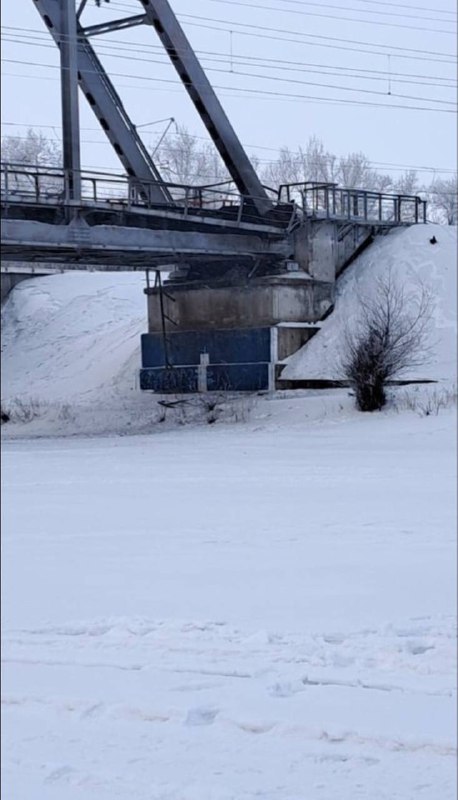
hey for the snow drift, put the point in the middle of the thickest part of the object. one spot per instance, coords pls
(412, 259)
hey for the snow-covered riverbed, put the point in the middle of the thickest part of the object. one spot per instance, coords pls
(228, 613)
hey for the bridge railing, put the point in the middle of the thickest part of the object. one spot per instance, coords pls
(33, 184)
(330, 201)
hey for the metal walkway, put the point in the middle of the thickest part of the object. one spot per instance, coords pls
(114, 223)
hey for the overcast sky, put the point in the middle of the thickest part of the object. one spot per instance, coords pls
(370, 60)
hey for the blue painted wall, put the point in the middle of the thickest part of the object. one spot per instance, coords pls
(220, 378)
(223, 346)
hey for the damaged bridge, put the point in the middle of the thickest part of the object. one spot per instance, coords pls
(250, 268)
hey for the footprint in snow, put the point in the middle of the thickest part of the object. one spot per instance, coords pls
(201, 716)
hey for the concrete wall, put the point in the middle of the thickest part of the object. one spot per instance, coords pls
(255, 305)
(9, 280)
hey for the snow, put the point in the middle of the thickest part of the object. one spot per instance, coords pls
(232, 612)
(258, 609)
(74, 336)
(410, 257)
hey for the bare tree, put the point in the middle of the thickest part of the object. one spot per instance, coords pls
(407, 183)
(355, 172)
(286, 168)
(32, 150)
(318, 164)
(443, 198)
(390, 337)
(184, 159)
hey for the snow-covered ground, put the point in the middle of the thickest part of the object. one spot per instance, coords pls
(258, 609)
(232, 612)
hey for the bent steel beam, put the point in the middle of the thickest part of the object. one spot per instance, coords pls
(161, 16)
(108, 108)
(26, 240)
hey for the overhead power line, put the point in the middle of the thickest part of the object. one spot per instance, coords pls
(332, 16)
(264, 92)
(41, 39)
(276, 38)
(388, 47)
(237, 63)
(393, 5)
(306, 3)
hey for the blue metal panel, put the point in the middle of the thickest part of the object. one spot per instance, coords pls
(243, 345)
(238, 377)
(174, 381)
(220, 378)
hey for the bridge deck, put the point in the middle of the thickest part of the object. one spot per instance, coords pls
(116, 221)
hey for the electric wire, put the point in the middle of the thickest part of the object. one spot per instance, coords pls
(257, 92)
(111, 49)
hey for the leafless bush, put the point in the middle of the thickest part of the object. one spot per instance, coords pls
(427, 402)
(390, 336)
(20, 410)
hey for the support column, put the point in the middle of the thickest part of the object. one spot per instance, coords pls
(69, 89)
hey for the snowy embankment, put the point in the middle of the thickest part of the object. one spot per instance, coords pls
(71, 343)
(261, 612)
(412, 261)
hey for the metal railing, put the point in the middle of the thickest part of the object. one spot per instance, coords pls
(23, 184)
(330, 201)
(33, 184)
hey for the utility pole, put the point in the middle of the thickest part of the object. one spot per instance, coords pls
(68, 45)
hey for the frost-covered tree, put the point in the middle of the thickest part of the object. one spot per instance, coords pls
(407, 183)
(33, 149)
(355, 172)
(309, 163)
(443, 200)
(182, 158)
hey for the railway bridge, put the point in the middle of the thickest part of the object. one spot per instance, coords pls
(250, 268)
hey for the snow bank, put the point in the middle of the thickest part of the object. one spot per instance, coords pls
(74, 336)
(411, 258)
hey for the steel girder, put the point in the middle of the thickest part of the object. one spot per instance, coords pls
(108, 108)
(159, 13)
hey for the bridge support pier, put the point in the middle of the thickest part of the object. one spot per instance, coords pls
(243, 331)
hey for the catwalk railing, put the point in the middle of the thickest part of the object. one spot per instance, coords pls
(51, 185)
(24, 184)
(330, 201)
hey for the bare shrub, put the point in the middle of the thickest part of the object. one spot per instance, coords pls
(20, 410)
(427, 402)
(389, 337)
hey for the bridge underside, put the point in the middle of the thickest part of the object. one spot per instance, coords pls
(130, 240)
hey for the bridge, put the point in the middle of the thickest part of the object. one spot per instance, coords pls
(232, 247)
(115, 224)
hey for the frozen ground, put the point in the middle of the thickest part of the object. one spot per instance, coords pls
(253, 612)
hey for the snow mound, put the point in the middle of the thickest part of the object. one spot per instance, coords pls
(71, 337)
(411, 258)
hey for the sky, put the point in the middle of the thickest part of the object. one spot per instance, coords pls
(361, 75)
